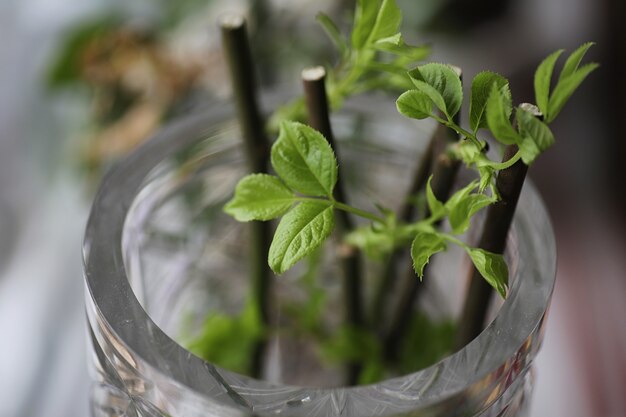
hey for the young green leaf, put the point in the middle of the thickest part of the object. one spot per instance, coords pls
(543, 76)
(462, 212)
(230, 340)
(304, 160)
(396, 45)
(388, 67)
(529, 150)
(387, 21)
(537, 135)
(376, 243)
(435, 206)
(423, 247)
(573, 61)
(414, 104)
(565, 88)
(481, 88)
(395, 39)
(351, 343)
(467, 152)
(379, 238)
(492, 267)
(487, 174)
(260, 197)
(442, 84)
(472, 156)
(498, 120)
(432, 93)
(333, 32)
(364, 19)
(302, 230)
(464, 204)
(460, 195)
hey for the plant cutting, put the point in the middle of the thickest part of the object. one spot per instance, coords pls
(297, 198)
(307, 194)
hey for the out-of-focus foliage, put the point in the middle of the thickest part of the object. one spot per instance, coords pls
(133, 79)
(135, 74)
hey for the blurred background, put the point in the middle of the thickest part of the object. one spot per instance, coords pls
(82, 82)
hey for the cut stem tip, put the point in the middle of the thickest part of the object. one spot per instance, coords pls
(232, 21)
(313, 73)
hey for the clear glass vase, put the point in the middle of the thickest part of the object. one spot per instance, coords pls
(160, 255)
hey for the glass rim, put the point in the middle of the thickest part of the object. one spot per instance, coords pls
(110, 293)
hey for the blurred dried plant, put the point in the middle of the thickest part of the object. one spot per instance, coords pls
(135, 80)
(136, 75)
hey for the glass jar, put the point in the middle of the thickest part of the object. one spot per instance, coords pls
(159, 254)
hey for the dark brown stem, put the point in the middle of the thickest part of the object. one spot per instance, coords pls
(442, 137)
(406, 213)
(240, 64)
(495, 231)
(444, 175)
(313, 80)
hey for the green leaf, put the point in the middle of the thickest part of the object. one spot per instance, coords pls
(374, 370)
(487, 174)
(481, 88)
(492, 267)
(435, 207)
(459, 195)
(333, 32)
(375, 243)
(304, 160)
(543, 76)
(395, 82)
(260, 197)
(498, 105)
(414, 104)
(364, 19)
(387, 21)
(355, 344)
(565, 88)
(378, 239)
(413, 53)
(387, 67)
(438, 331)
(443, 80)
(395, 45)
(302, 230)
(537, 135)
(471, 155)
(229, 341)
(461, 213)
(467, 152)
(529, 150)
(423, 247)
(463, 204)
(431, 93)
(395, 40)
(350, 343)
(573, 61)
